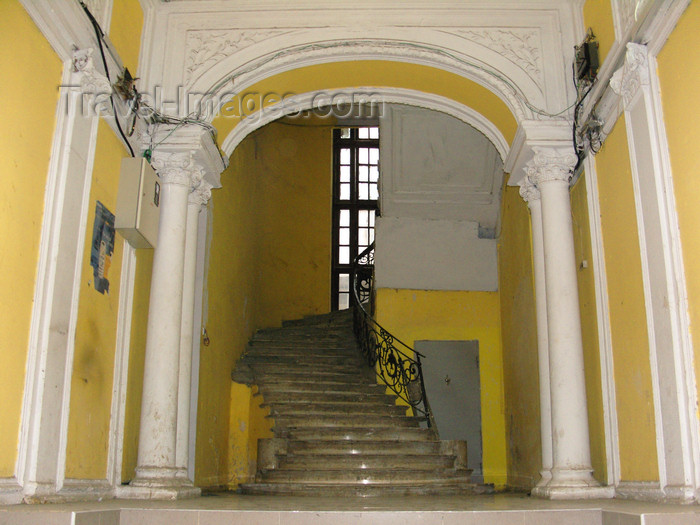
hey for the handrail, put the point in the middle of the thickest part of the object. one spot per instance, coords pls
(401, 372)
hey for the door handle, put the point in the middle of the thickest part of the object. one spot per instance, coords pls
(447, 379)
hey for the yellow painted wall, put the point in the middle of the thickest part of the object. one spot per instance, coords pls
(374, 73)
(270, 261)
(679, 74)
(125, 32)
(519, 336)
(93, 364)
(96, 329)
(635, 410)
(589, 327)
(28, 108)
(597, 14)
(249, 422)
(415, 315)
(137, 356)
(231, 305)
(292, 168)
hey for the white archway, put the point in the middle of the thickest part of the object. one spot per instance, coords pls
(373, 95)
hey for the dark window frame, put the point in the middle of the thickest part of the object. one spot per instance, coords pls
(354, 204)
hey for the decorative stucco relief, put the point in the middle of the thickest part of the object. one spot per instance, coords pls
(520, 46)
(204, 47)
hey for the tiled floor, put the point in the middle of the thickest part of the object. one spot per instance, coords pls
(500, 509)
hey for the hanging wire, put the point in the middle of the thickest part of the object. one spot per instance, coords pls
(99, 34)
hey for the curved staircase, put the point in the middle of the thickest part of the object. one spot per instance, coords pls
(336, 431)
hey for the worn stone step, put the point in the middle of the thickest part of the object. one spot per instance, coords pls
(366, 447)
(366, 461)
(310, 339)
(358, 433)
(376, 396)
(333, 318)
(263, 376)
(281, 384)
(316, 420)
(283, 352)
(306, 370)
(358, 410)
(281, 343)
(368, 476)
(305, 359)
(443, 488)
(313, 332)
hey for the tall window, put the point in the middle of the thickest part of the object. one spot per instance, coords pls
(355, 196)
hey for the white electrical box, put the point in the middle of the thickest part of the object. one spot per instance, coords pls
(138, 203)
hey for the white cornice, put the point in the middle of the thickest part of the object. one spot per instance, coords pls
(200, 45)
(66, 26)
(653, 30)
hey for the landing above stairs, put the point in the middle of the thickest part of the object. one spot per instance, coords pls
(337, 432)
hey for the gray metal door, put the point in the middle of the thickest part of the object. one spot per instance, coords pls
(451, 374)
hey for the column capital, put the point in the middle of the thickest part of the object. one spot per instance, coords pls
(201, 194)
(535, 140)
(188, 147)
(634, 73)
(177, 168)
(550, 164)
(528, 191)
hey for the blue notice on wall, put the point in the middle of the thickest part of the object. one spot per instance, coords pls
(102, 246)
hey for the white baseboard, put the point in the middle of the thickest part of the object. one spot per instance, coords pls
(640, 490)
(10, 491)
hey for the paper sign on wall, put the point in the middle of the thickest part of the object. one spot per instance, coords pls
(102, 247)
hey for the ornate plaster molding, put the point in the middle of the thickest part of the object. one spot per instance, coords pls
(627, 80)
(528, 191)
(188, 148)
(91, 80)
(177, 168)
(522, 46)
(201, 194)
(205, 48)
(533, 137)
(551, 164)
(341, 49)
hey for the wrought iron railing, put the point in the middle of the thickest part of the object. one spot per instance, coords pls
(395, 363)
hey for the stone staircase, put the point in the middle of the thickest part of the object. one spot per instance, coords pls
(336, 431)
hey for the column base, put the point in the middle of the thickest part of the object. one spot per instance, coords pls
(545, 478)
(572, 484)
(159, 483)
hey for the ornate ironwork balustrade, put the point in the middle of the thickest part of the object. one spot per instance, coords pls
(395, 363)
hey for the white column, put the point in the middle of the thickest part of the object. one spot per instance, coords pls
(197, 198)
(531, 195)
(572, 477)
(156, 465)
